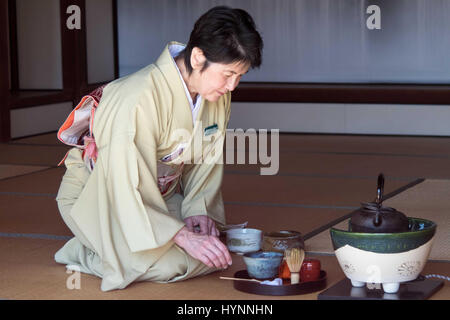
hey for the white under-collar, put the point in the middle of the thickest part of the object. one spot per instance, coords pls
(174, 50)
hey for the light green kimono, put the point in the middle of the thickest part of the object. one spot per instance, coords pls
(123, 225)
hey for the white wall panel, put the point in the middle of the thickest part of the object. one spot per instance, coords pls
(39, 119)
(321, 41)
(308, 40)
(99, 40)
(39, 44)
(384, 119)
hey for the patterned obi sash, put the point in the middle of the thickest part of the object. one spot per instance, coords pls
(77, 131)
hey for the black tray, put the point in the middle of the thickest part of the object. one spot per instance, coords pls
(284, 290)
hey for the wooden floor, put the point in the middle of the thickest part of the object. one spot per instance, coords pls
(321, 179)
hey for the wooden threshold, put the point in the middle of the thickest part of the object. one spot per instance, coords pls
(35, 98)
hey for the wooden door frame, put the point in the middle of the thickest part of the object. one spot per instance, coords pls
(5, 121)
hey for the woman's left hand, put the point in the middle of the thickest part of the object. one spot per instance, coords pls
(202, 224)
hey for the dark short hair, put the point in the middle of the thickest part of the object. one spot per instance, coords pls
(225, 35)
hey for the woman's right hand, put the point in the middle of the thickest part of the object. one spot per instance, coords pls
(208, 249)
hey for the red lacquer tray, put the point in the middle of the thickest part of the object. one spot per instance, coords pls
(284, 290)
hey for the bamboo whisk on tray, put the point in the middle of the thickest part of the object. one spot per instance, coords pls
(294, 260)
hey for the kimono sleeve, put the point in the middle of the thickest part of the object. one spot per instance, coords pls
(202, 192)
(144, 224)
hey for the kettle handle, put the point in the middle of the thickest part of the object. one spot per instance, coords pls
(380, 189)
(379, 199)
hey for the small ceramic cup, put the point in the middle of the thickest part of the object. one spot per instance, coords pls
(263, 264)
(310, 270)
(281, 240)
(244, 240)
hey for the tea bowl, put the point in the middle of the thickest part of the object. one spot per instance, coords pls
(279, 241)
(244, 240)
(263, 264)
(224, 228)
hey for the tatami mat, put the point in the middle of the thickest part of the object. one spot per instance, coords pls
(39, 155)
(428, 200)
(29, 272)
(355, 165)
(304, 207)
(7, 170)
(321, 243)
(321, 178)
(270, 219)
(31, 215)
(324, 192)
(43, 182)
(40, 215)
(43, 139)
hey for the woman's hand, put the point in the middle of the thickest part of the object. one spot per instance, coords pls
(205, 224)
(208, 249)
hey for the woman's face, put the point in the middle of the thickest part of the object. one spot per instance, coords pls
(217, 79)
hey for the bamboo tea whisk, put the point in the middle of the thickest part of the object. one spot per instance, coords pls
(294, 260)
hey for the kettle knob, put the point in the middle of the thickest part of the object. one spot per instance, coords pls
(377, 220)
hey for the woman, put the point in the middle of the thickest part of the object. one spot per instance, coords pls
(119, 193)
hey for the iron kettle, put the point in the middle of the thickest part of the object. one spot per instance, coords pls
(372, 217)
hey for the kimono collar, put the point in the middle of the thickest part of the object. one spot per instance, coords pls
(181, 104)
